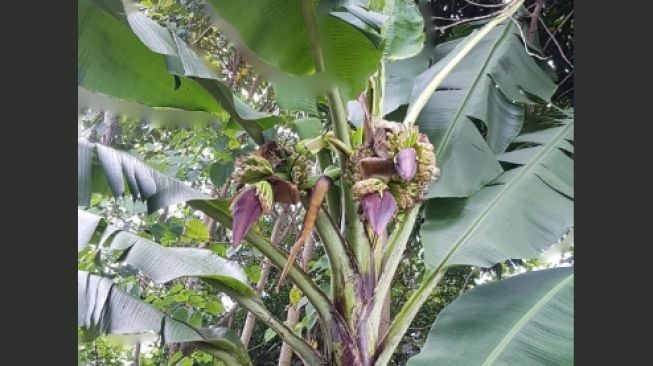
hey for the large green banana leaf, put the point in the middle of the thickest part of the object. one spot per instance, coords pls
(149, 65)
(523, 320)
(489, 87)
(273, 36)
(103, 308)
(521, 213)
(112, 60)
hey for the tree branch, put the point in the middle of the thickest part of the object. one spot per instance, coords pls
(462, 21)
(226, 319)
(562, 53)
(199, 37)
(565, 78)
(532, 28)
(523, 38)
(484, 5)
(558, 28)
(467, 278)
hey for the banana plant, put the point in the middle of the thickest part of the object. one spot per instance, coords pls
(362, 182)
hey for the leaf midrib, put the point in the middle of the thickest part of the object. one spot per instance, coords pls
(456, 119)
(525, 319)
(506, 188)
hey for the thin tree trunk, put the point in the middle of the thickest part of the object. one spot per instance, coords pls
(225, 189)
(532, 28)
(164, 216)
(253, 87)
(111, 124)
(97, 354)
(226, 319)
(286, 351)
(293, 312)
(209, 222)
(234, 68)
(250, 321)
(137, 355)
(275, 238)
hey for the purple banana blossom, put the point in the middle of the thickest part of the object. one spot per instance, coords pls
(406, 163)
(246, 211)
(378, 210)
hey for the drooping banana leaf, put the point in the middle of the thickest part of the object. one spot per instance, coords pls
(124, 173)
(164, 264)
(523, 320)
(521, 213)
(103, 308)
(104, 170)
